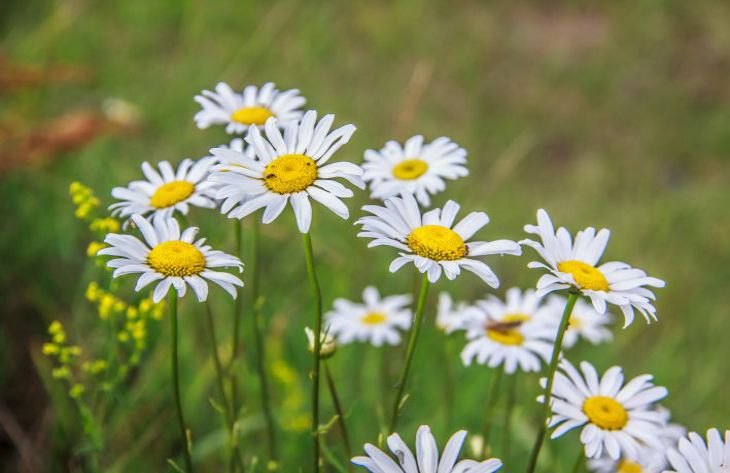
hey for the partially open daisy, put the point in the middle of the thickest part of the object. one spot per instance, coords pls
(225, 186)
(694, 455)
(585, 322)
(290, 168)
(618, 419)
(252, 107)
(171, 257)
(376, 320)
(452, 316)
(510, 333)
(166, 191)
(431, 241)
(426, 459)
(415, 168)
(574, 264)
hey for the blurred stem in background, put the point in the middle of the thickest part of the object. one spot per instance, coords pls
(412, 340)
(340, 412)
(235, 461)
(257, 302)
(511, 398)
(237, 311)
(317, 295)
(569, 304)
(176, 381)
(579, 460)
(489, 409)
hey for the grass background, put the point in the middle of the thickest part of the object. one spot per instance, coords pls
(614, 114)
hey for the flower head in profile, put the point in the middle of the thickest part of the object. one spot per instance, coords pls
(618, 419)
(415, 168)
(376, 320)
(327, 343)
(694, 455)
(585, 322)
(168, 191)
(225, 186)
(252, 107)
(573, 264)
(289, 168)
(452, 316)
(170, 257)
(426, 459)
(432, 242)
(512, 333)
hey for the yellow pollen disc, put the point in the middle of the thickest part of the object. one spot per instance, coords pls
(506, 337)
(252, 115)
(373, 318)
(575, 323)
(512, 318)
(410, 169)
(176, 258)
(627, 466)
(605, 412)
(585, 275)
(437, 243)
(290, 173)
(171, 193)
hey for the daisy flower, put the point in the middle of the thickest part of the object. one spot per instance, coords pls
(252, 107)
(290, 168)
(426, 459)
(585, 322)
(170, 258)
(166, 191)
(572, 264)
(618, 419)
(415, 168)
(376, 320)
(512, 333)
(431, 241)
(694, 455)
(451, 316)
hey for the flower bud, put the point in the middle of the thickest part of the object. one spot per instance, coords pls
(327, 346)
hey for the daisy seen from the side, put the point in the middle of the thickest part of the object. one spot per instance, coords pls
(574, 264)
(416, 167)
(427, 458)
(431, 241)
(168, 191)
(170, 257)
(290, 169)
(617, 419)
(377, 320)
(252, 107)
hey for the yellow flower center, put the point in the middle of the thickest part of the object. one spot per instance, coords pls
(176, 258)
(585, 275)
(171, 193)
(575, 323)
(437, 243)
(506, 331)
(290, 173)
(252, 115)
(605, 412)
(410, 169)
(627, 466)
(373, 318)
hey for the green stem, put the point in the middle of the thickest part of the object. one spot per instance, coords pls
(176, 381)
(258, 342)
(317, 295)
(572, 298)
(489, 410)
(511, 398)
(579, 461)
(339, 411)
(235, 460)
(413, 339)
(237, 310)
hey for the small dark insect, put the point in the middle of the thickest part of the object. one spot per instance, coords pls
(269, 176)
(502, 326)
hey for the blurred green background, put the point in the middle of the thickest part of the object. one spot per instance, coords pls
(615, 114)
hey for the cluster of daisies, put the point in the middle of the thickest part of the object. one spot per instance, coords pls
(282, 156)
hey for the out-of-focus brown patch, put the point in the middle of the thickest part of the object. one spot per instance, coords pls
(69, 132)
(18, 76)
